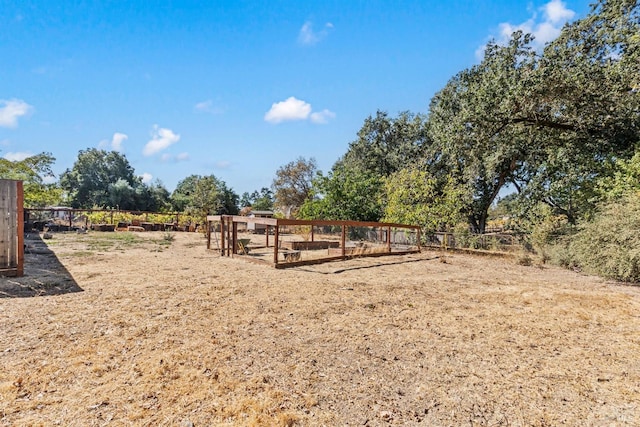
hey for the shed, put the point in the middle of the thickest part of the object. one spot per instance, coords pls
(256, 227)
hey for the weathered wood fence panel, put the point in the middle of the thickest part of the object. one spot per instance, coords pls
(11, 228)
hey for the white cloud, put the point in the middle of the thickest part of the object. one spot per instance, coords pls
(557, 12)
(11, 110)
(307, 36)
(182, 157)
(322, 117)
(17, 156)
(223, 164)
(293, 109)
(146, 177)
(117, 140)
(290, 109)
(208, 107)
(161, 138)
(166, 157)
(554, 15)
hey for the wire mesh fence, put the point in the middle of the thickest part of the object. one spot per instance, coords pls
(289, 242)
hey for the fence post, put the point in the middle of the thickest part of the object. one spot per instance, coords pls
(389, 239)
(222, 231)
(276, 244)
(208, 234)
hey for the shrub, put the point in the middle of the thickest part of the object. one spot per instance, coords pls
(609, 244)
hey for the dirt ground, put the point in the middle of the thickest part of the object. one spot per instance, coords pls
(152, 332)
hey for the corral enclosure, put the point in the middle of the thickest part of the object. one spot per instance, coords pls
(11, 228)
(289, 243)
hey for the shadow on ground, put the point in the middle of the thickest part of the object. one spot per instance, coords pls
(368, 265)
(44, 274)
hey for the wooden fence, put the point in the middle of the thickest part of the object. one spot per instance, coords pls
(291, 243)
(11, 228)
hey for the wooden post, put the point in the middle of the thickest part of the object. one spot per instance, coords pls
(70, 219)
(389, 239)
(419, 238)
(343, 239)
(20, 200)
(234, 245)
(208, 234)
(222, 240)
(276, 244)
(229, 222)
(267, 234)
(312, 233)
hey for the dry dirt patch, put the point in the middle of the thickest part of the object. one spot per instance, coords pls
(170, 334)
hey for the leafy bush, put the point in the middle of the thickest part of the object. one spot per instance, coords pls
(609, 245)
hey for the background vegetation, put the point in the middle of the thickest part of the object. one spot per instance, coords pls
(544, 143)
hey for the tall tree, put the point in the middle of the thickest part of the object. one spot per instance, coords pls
(87, 183)
(471, 122)
(292, 184)
(548, 124)
(204, 195)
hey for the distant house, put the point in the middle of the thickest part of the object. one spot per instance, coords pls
(258, 228)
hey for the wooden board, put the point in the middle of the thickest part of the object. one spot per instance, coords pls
(11, 228)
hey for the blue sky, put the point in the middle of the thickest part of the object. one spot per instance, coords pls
(233, 88)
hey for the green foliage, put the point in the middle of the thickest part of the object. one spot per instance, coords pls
(199, 196)
(623, 180)
(609, 245)
(386, 145)
(33, 171)
(259, 200)
(471, 122)
(413, 196)
(550, 124)
(101, 178)
(344, 194)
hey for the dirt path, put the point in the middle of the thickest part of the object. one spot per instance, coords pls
(157, 332)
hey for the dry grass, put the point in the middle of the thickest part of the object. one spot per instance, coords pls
(165, 337)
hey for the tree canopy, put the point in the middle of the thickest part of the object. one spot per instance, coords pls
(344, 194)
(292, 184)
(547, 123)
(204, 195)
(33, 171)
(258, 200)
(99, 178)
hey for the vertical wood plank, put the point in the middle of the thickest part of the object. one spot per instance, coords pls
(20, 222)
(5, 210)
(208, 234)
(222, 237)
(276, 244)
(234, 246)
